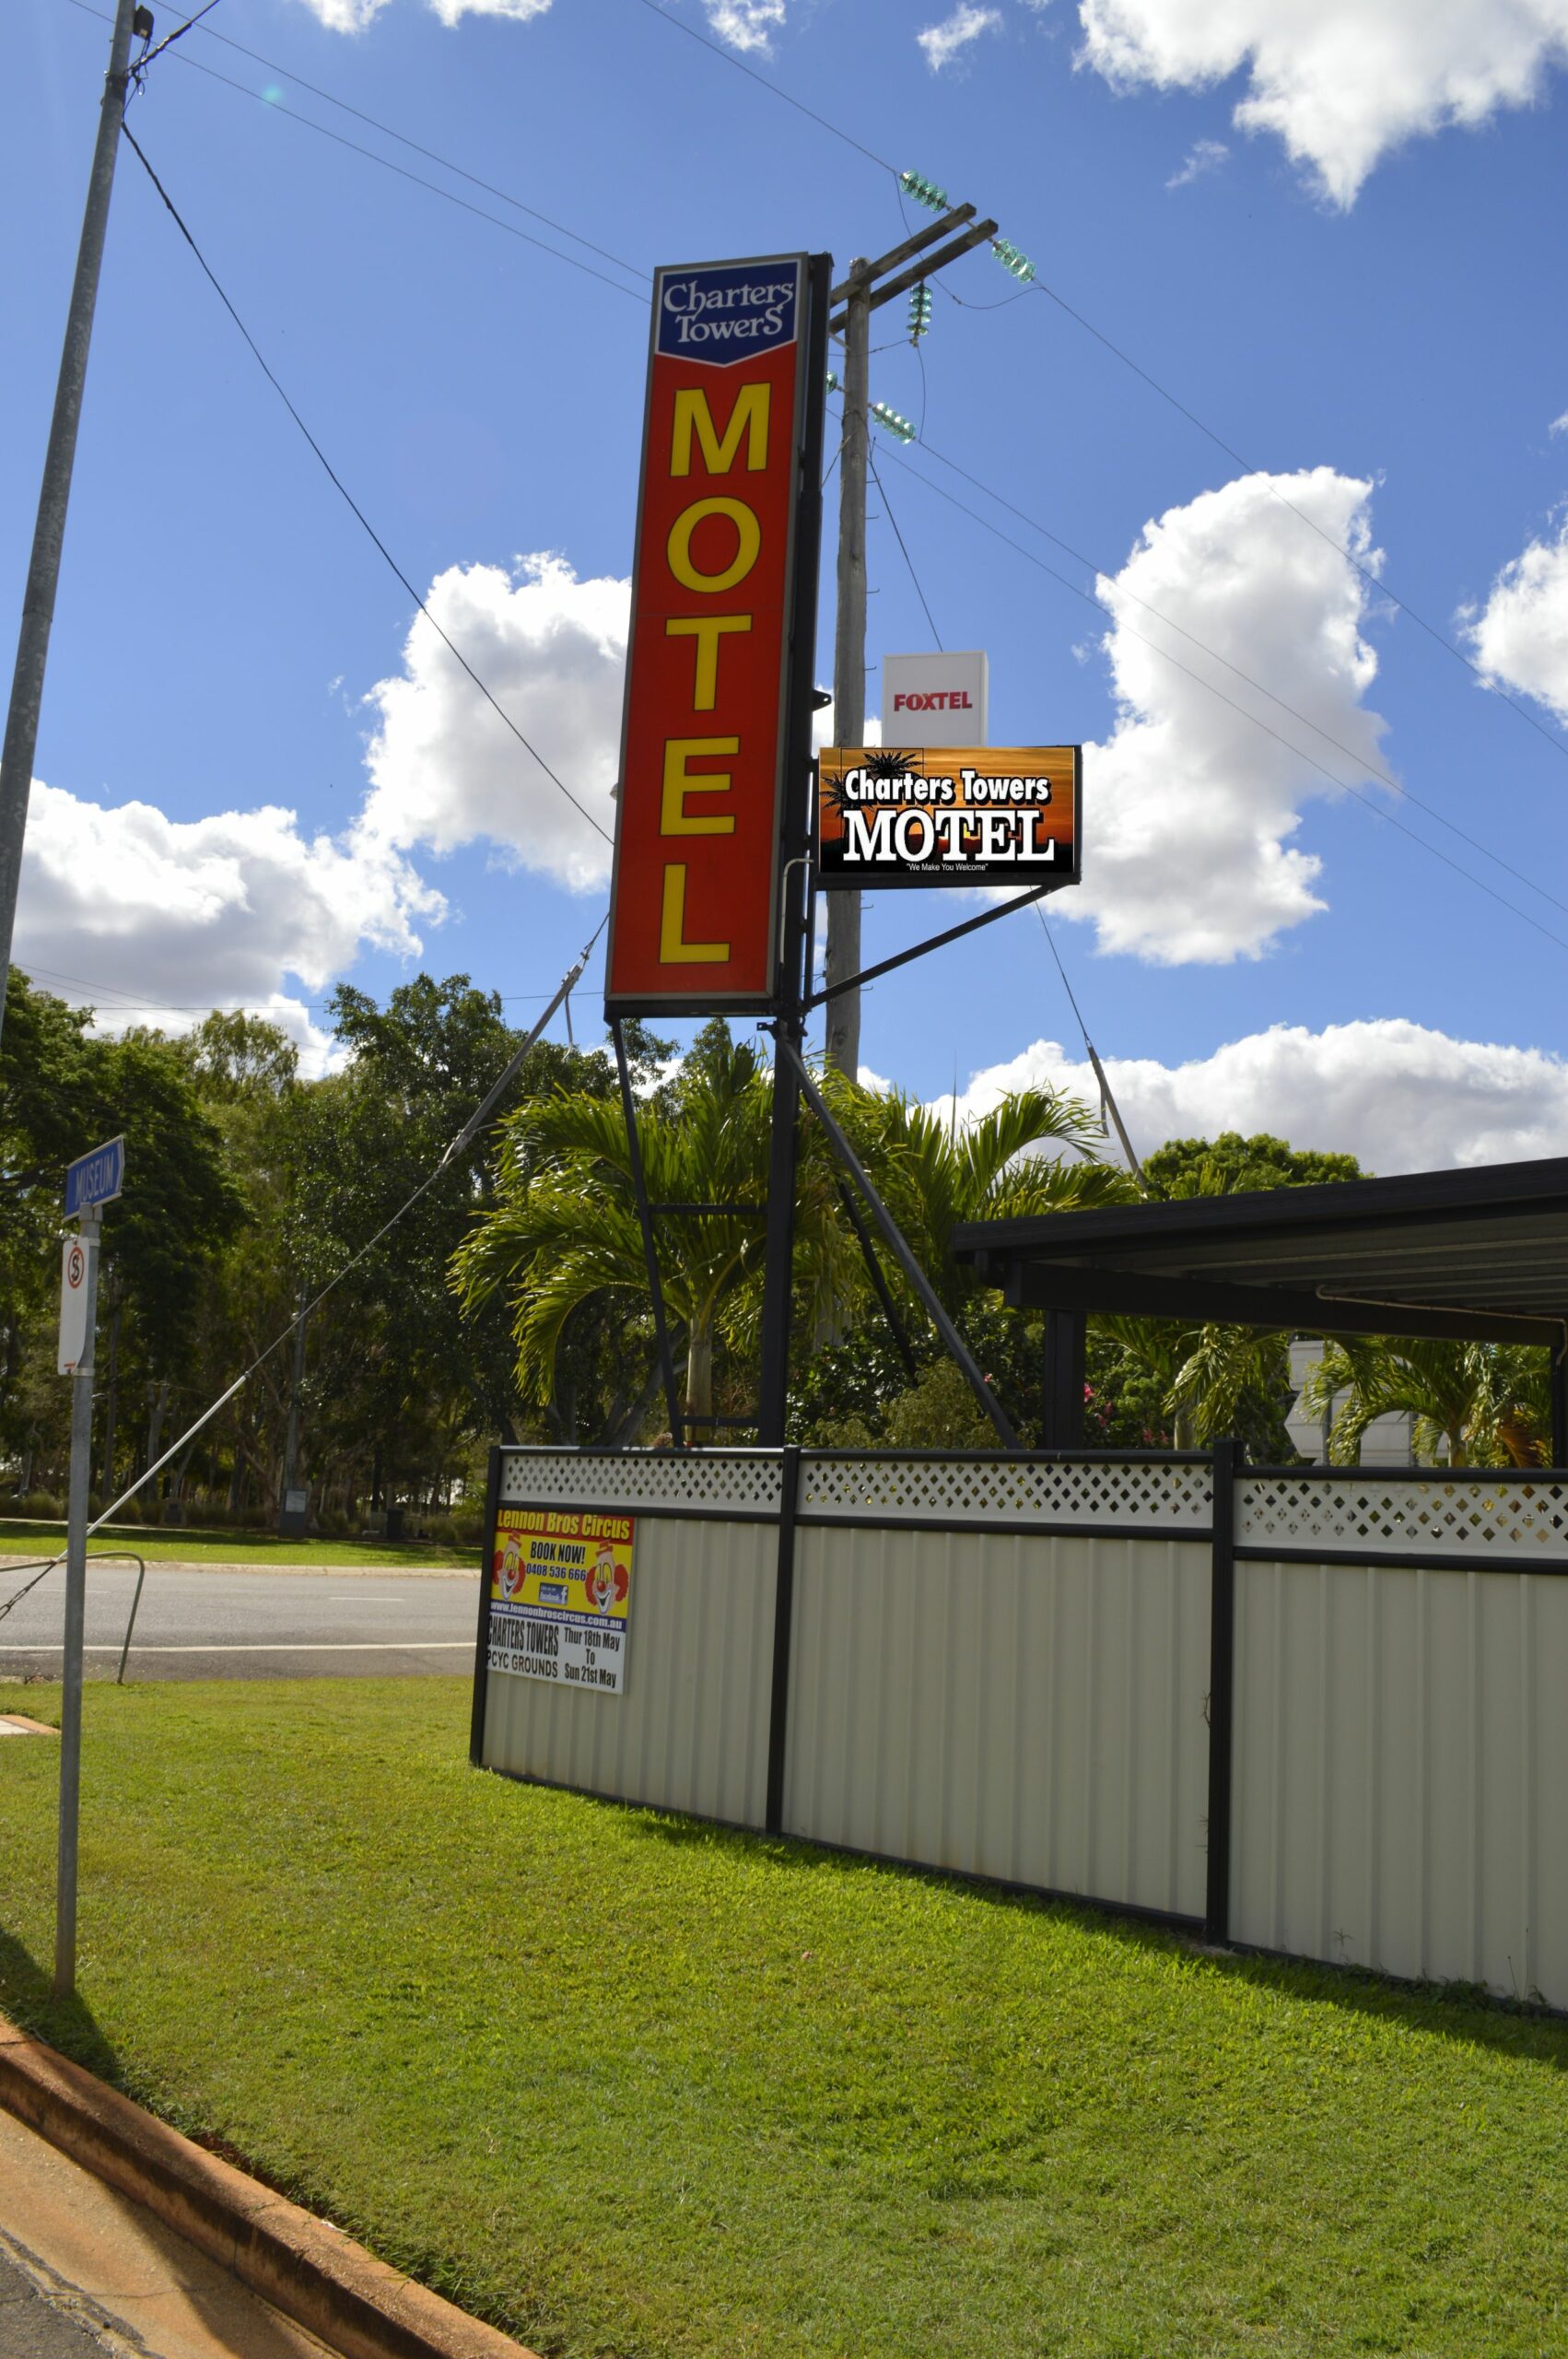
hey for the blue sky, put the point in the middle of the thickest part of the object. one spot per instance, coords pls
(1322, 228)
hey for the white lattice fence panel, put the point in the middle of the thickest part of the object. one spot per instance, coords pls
(715, 1482)
(1506, 1515)
(1080, 1493)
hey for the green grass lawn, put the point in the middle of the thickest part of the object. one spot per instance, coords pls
(633, 2086)
(174, 1545)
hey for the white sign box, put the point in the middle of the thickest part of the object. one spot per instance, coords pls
(935, 699)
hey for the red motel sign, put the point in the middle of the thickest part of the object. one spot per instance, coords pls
(707, 743)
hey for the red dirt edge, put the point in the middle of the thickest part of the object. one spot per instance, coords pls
(311, 2272)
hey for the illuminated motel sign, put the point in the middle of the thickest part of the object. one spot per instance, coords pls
(715, 726)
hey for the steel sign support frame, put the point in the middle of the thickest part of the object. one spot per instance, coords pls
(796, 914)
(650, 1241)
(899, 1245)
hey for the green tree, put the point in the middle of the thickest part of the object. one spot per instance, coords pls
(1165, 1381)
(935, 1175)
(564, 1233)
(1230, 1165)
(1486, 1403)
(64, 1089)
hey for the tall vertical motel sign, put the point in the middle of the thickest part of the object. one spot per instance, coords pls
(709, 896)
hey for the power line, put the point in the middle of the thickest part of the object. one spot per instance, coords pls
(457, 1146)
(898, 536)
(275, 106)
(1345, 785)
(148, 53)
(776, 88)
(353, 505)
(1375, 769)
(1040, 286)
(1552, 736)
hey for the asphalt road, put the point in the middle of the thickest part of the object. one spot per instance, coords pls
(32, 2328)
(195, 1622)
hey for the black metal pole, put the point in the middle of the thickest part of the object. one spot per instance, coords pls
(1064, 1366)
(792, 979)
(482, 1635)
(650, 1248)
(874, 1270)
(895, 1236)
(1559, 1366)
(1221, 1694)
(783, 1625)
(932, 941)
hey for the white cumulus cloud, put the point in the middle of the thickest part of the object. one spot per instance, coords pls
(1399, 1094)
(1340, 82)
(446, 771)
(156, 919)
(1520, 635)
(941, 43)
(1191, 803)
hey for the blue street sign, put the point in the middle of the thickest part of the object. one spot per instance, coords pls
(95, 1179)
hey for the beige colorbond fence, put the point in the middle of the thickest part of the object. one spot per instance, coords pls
(1401, 1743)
(1061, 1672)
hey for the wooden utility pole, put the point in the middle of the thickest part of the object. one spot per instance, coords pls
(54, 494)
(863, 292)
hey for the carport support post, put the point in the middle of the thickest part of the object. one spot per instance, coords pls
(1560, 1400)
(87, 1229)
(1065, 1359)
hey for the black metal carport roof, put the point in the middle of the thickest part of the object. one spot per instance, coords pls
(1480, 1255)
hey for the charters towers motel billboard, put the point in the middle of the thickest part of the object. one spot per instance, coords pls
(952, 815)
(716, 734)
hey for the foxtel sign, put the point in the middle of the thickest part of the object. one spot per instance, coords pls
(715, 755)
(960, 815)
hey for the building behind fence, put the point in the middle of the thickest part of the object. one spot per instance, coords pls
(1316, 1711)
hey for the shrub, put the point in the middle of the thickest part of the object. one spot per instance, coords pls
(131, 1512)
(42, 1506)
(254, 1519)
(939, 1413)
(443, 1531)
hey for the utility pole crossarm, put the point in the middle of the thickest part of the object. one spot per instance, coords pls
(982, 233)
(914, 245)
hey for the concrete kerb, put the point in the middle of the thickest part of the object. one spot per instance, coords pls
(305, 2267)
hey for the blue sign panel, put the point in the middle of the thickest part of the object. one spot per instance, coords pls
(723, 312)
(95, 1179)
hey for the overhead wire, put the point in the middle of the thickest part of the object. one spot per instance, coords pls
(460, 1143)
(1042, 287)
(388, 133)
(353, 504)
(904, 546)
(1037, 286)
(1373, 768)
(777, 89)
(1345, 785)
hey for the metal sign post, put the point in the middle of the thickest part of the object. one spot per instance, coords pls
(95, 1179)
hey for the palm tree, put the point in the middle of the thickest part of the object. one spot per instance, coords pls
(1488, 1401)
(564, 1226)
(934, 1174)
